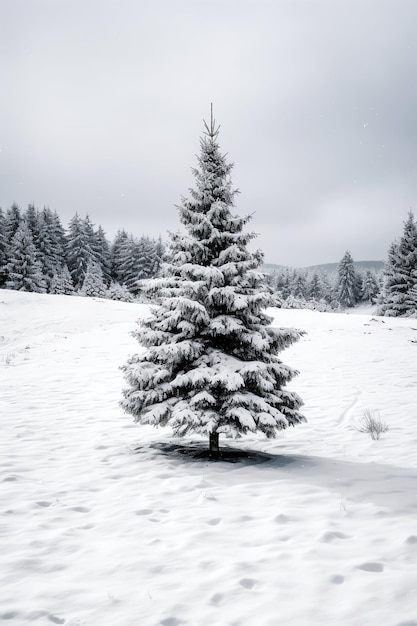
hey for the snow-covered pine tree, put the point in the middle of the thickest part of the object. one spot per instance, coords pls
(93, 284)
(348, 287)
(31, 217)
(119, 292)
(315, 287)
(400, 273)
(211, 362)
(78, 251)
(128, 268)
(370, 287)
(12, 221)
(24, 271)
(148, 262)
(61, 282)
(3, 248)
(101, 248)
(117, 252)
(51, 244)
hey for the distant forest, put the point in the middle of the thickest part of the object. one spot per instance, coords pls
(38, 254)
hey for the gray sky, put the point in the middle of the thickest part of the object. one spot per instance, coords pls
(102, 103)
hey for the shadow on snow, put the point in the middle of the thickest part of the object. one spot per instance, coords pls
(196, 451)
(387, 486)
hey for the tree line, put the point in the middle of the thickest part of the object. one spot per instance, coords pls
(326, 291)
(38, 254)
(393, 290)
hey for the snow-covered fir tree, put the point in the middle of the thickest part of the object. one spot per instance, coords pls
(31, 217)
(117, 251)
(119, 292)
(49, 248)
(78, 251)
(128, 268)
(211, 361)
(315, 287)
(348, 283)
(400, 273)
(101, 248)
(370, 287)
(24, 271)
(93, 284)
(13, 219)
(3, 248)
(61, 282)
(134, 259)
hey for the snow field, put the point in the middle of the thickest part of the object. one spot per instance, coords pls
(104, 522)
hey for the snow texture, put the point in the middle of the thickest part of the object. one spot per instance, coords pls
(106, 522)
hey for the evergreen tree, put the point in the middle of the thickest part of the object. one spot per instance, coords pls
(299, 285)
(128, 269)
(102, 254)
(24, 270)
(93, 284)
(118, 251)
(31, 217)
(315, 287)
(52, 241)
(211, 361)
(160, 254)
(13, 219)
(3, 248)
(61, 282)
(370, 288)
(79, 252)
(119, 292)
(348, 285)
(58, 237)
(400, 273)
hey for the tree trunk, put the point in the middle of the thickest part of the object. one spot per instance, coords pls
(214, 444)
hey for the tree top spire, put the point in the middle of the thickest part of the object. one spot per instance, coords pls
(211, 131)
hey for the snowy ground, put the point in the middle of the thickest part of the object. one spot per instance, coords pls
(101, 527)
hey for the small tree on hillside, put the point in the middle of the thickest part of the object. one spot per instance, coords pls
(348, 284)
(211, 361)
(24, 271)
(3, 248)
(400, 273)
(93, 284)
(370, 287)
(61, 282)
(119, 292)
(78, 250)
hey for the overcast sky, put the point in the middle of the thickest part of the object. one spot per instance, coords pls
(102, 102)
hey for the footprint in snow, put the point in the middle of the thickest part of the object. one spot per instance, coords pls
(282, 519)
(80, 509)
(332, 535)
(410, 540)
(216, 599)
(56, 620)
(214, 522)
(371, 567)
(247, 583)
(337, 579)
(144, 511)
(8, 615)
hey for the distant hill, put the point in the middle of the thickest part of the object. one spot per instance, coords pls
(332, 267)
(268, 268)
